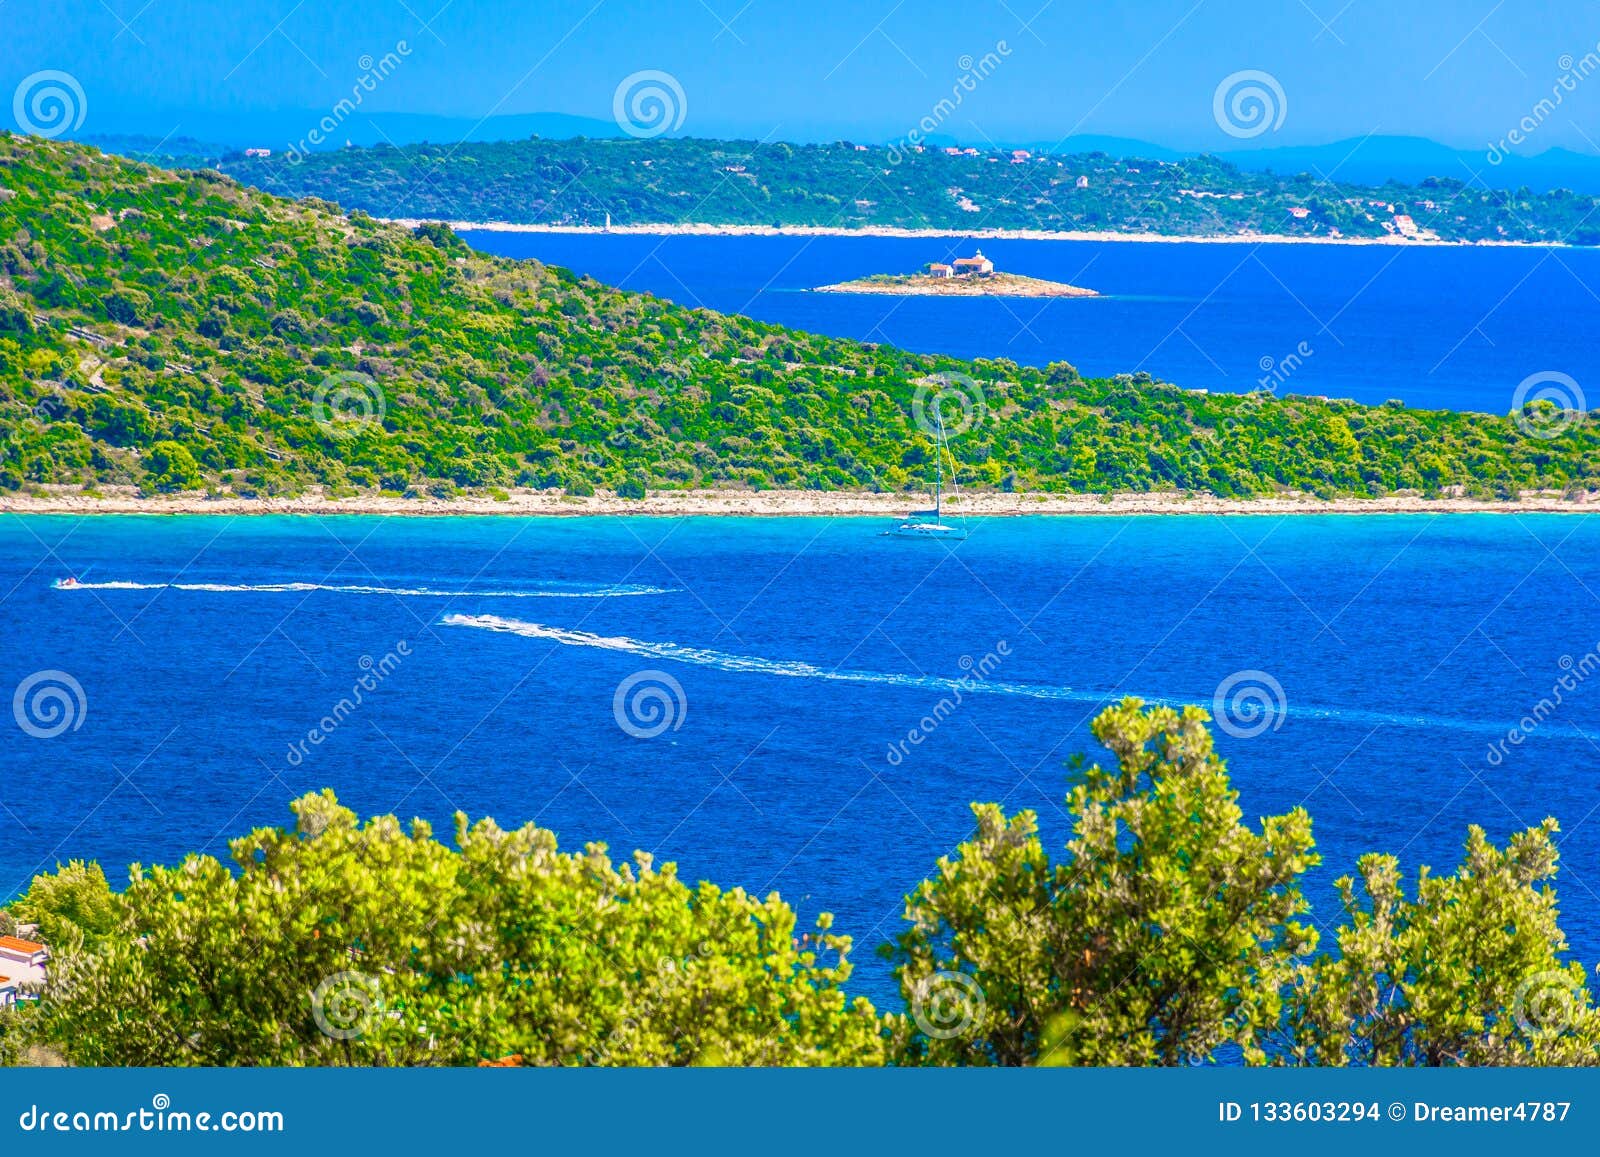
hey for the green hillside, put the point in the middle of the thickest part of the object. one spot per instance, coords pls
(178, 330)
(845, 186)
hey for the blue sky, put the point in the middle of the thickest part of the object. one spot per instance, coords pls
(1463, 72)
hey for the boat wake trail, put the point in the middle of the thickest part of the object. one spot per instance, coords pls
(618, 590)
(976, 683)
(724, 661)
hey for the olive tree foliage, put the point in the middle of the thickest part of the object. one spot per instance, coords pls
(1169, 929)
(72, 910)
(72, 907)
(1466, 972)
(341, 943)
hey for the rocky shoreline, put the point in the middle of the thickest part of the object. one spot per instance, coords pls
(709, 230)
(774, 503)
(926, 285)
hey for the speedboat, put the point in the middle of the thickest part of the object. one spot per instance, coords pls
(65, 584)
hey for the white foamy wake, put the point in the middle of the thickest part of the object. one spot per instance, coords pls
(724, 661)
(972, 684)
(620, 590)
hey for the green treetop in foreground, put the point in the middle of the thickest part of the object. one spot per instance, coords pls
(1153, 950)
(176, 331)
(1170, 932)
(338, 943)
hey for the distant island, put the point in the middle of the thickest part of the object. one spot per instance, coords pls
(314, 352)
(973, 276)
(670, 184)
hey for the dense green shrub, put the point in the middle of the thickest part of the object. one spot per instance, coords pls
(170, 466)
(1170, 932)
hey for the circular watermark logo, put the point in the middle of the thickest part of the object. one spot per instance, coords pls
(1248, 703)
(1547, 1004)
(649, 703)
(346, 403)
(49, 103)
(49, 703)
(344, 1004)
(1248, 103)
(649, 103)
(947, 1005)
(952, 400)
(1544, 404)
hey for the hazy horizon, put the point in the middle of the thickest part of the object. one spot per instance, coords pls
(1188, 75)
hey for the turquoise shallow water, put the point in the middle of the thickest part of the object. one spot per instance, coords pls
(518, 668)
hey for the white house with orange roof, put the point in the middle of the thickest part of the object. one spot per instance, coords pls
(22, 962)
(976, 264)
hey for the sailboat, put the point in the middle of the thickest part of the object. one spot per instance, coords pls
(930, 523)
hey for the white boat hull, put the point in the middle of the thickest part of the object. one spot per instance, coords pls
(931, 530)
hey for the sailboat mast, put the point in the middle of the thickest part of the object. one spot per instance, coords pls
(938, 470)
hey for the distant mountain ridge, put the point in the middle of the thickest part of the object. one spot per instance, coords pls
(279, 131)
(1373, 160)
(1409, 160)
(1367, 160)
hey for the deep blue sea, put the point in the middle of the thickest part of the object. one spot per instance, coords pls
(790, 656)
(1438, 327)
